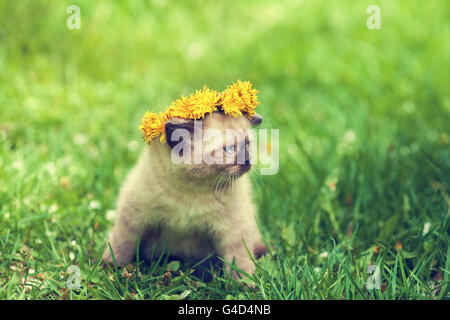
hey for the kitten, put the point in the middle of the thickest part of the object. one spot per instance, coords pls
(190, 209)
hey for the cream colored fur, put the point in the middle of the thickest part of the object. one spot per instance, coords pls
(187, 209)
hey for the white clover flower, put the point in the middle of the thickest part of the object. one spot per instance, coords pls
(18, 165)
(346, 142)
(349, 136)
(111, 215)
(50, 167)
(94, 205)
(53, 208)
(80, 139)
(50, 233)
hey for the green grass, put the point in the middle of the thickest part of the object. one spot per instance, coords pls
(364, 141)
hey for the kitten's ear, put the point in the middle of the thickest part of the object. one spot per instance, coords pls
(256, 119)
(174, 124)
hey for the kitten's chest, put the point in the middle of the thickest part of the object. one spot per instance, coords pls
(184, 212)
(198, 209)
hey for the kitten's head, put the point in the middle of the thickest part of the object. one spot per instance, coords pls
(214, 145)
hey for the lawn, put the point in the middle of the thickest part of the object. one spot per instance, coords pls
(364, 142)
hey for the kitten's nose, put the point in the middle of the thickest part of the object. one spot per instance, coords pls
(245, 167)
(247, 157)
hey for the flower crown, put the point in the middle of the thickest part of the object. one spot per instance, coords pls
(237, 100)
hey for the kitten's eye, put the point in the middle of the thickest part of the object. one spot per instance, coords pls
(229, 149)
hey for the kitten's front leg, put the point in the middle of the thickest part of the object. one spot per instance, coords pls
(233, 248)
(123, 241)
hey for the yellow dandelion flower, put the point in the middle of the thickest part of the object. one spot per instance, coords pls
(237, 99)
(152, 125)
(196, 105)
(240, 98)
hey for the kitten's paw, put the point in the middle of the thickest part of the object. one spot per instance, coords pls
(104, 264)
(243, 280)
(260, 250)
(248, 268)
(107, 259)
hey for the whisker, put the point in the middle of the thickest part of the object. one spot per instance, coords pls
(221, 177)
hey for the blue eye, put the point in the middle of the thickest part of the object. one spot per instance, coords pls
(229, 149)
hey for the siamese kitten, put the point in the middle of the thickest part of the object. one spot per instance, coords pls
(191, 210)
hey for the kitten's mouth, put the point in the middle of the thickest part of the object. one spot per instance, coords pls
(245, 168)
(240, 169)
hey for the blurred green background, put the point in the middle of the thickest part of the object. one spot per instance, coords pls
(364, 135)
